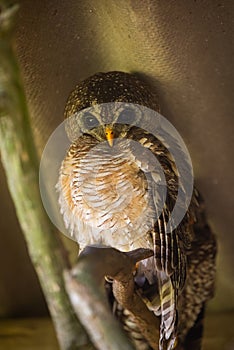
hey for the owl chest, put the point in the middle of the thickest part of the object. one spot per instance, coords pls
(111, 187)
(110, 200)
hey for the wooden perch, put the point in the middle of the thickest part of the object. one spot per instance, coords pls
(85, 285)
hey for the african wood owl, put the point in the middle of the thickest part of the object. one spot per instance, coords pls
(112, 193)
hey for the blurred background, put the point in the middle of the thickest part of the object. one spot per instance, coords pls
(185, 50)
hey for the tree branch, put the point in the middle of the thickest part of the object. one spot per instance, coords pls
(85, 285)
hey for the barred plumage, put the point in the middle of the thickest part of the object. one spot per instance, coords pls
(94, 185)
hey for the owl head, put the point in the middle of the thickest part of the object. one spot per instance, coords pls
(89, 109)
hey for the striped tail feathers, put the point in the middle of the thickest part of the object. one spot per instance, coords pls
(166, 257)
(160, 296)
(159, 292)
(168, 302)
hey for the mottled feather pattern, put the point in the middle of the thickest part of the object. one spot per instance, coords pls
(93, 196)
(94, 186)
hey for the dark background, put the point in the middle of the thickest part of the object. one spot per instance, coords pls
(184, 49)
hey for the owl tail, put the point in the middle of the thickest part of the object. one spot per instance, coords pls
(168, 311)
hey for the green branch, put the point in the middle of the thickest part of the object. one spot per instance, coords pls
(20, 161)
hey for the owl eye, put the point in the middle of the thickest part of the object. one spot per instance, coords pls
(90, 121)
(127, 116)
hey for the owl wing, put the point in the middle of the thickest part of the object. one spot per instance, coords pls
(169, 245)
(170, 264)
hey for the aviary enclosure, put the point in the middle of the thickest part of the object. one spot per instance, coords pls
(183, 51)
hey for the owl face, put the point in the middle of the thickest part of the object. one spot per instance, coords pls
(108, 121)
(107, 105)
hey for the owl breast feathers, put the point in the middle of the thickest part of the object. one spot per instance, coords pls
(118, 185)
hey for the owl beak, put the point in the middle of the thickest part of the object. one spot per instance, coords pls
(109, 135)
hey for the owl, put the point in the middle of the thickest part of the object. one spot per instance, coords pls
(118, 185)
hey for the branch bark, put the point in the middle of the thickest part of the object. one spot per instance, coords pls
(20, 160)
(85, 285)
